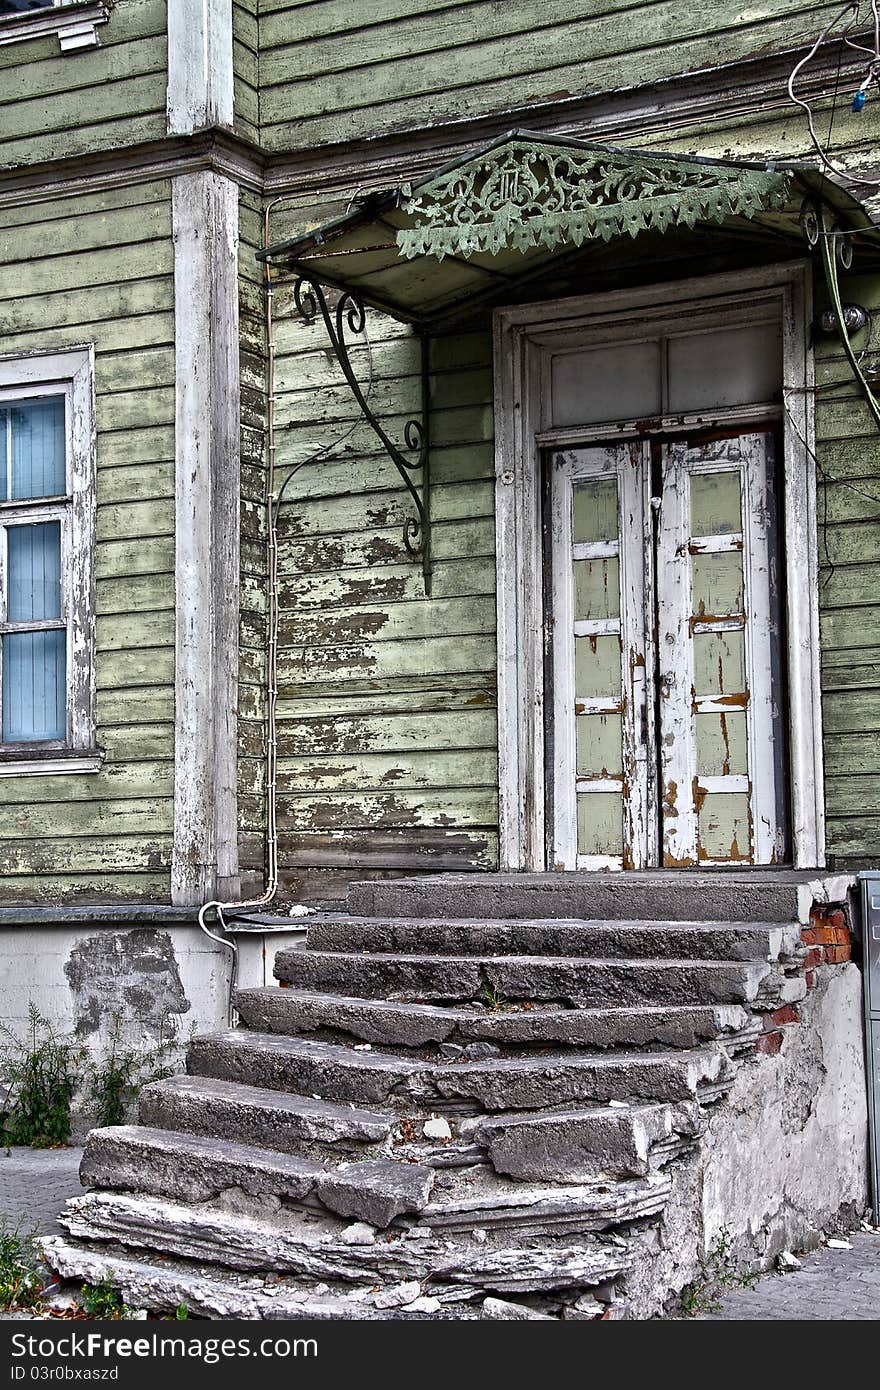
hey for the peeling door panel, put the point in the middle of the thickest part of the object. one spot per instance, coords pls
(601, 786)
(717, 627)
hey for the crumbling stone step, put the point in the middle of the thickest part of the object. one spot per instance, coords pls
(654, 940)
(189, 1168)
(617, 1141)
(221, 1109)
(273, 1010)
(673, 896)
(274, 1061)
(589, 983)
(475, 1198)
(160, 1285)
(315, 1248)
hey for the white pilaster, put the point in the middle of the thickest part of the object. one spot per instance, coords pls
(207, 410)
(200, 79)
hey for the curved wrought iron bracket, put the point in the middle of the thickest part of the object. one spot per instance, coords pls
(349, 317)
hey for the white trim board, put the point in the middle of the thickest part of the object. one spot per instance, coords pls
(207, 513)
(521, 337)
(200, 69)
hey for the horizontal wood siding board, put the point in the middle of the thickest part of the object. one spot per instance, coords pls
(563, 61)
(85, 887)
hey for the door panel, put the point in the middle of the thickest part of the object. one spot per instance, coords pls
(601, 719)
(716, 629)
(663, 634)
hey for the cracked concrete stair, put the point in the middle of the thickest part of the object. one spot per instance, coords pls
(744, 941)
(308, 1245)
(580, 982)
(270, 1119)
(271, 1010)
(278, 1062)
(754, 895)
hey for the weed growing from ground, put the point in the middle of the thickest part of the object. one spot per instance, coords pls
(20, 1282)
(718, 1274)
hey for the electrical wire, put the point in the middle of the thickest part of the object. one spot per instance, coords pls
(853, 8)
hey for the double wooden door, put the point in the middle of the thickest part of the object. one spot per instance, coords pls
(665, 729)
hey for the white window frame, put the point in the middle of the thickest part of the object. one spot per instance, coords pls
(75, 23)
(522, 429)
(72, 374)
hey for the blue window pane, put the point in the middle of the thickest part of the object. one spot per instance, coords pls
(32, 446)
(34, 686)
(34, 570)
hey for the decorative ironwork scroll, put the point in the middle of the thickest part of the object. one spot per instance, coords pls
(349, 317)
(523, 194)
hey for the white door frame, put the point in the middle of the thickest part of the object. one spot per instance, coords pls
(522, 336)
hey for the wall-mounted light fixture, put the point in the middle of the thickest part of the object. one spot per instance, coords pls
(854, 318)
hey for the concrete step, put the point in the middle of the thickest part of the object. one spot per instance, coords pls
(189, 1168)
(753, 895)
(582, 983)
(532, 1082)
(480, 1197)
(740, 941)
(310, 1247)
(223, 1110)
(609, 1141)
(274, 1010)
(161, 1285)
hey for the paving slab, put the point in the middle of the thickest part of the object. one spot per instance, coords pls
(34, 1186)
(833, 1286)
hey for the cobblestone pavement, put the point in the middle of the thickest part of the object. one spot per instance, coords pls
(34, 1185)
(832, 1286)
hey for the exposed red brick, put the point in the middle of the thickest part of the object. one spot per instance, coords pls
(789, 1013)
(769, 1043)
(825, 936)
(816, 956)
(828, 917)
(810, 978)
(837, 955)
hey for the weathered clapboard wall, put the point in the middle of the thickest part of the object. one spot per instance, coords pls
(55, 105)
(387, 719)
(333, 71)
(99, 269)
(245, 46)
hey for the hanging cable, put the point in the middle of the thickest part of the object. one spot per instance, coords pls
(872, 77)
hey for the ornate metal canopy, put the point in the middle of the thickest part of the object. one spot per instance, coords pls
(522, 194)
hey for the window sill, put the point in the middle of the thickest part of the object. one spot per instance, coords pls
(51, 764)
(75, 25)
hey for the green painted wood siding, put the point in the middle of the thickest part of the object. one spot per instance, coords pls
(246, 98)
(336, 71)
(104, 274)
(387, 718)
(55, 105)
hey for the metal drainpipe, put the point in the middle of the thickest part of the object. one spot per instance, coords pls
(273, 505)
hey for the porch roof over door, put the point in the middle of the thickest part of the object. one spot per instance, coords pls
(476, 231)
